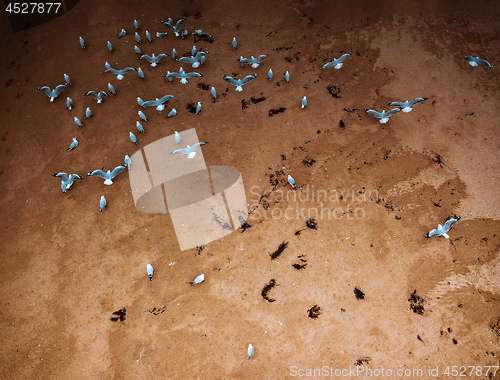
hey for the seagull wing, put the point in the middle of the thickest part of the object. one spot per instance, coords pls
(146, 57)
(75, 176)
(181, 151)
(392, 112)
(399, 104)
(416, 100)
(103, 93)
(327, 65)
(162, 56)
(113, 71)
(196, 146)
(118, 170)
(450, 222)
(61, 175)
(179, 23)
(261, 57)
(191, 75)
(229, 79)
(248, 78)
(149, 103)
(373, 113)
(166, 98)
(91, 93)
(186, 59)
(126, 69)
(46, 89)
(99, 173)
(341, 59)
(58, 89)
(483, 62)
(433, 233)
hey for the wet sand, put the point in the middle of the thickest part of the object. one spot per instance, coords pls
(365, 288)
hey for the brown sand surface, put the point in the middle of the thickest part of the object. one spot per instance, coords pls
(386, 296)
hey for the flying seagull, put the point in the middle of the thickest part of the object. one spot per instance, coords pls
(234, 43)
(240, 82)
(159, 103)
(383, 116)
(291, 181)
(406, 106)
(190, 150)
(336, 63)
(74, 144)
(474, 61)
(249, 351)
(119, 73)
(122, 33)
(199, 32)
(442, 230)
(67, 79)
(102, 203)
(153, 60)
(66, 181)
(150, 270)
(82, 43)
(69, 103)
(175, 28)
(195, 60)
(78, 122)
(255, 62)
(52, 93)
(109, 175)
(182, 75)
(98, 96)
(198, 279)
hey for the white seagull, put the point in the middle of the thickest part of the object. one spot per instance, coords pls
(53, 93)
(122, 33)
(190, 150)
(98, 96)
(150, 270)
(66, 181)
(336, 63)
(473, 61)
(153, 59)
(69, 103)
(78, 122)
(133, 138)
(240, 82)
(304, 102)
(159, 103)
(109, 175)
(172, 112)
(110, 47)
(196, 59)
(177, 137)
(175, 28)
(102, 203)
(119, 73)
(127, 161)
(199, 32)
(255, 62)
(111, 89)
(249, 351)
(198, 279)
(406, 106)
(161, 35)
(291, 181)
(88, 113)
(67, 79)
(442, 230)
(182, 75)
(383, 116)
(74, 144)
(82, 43)
(234, 43)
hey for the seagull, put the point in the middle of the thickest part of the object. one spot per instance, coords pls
(110, 47)
(137, 50)
(153, 60)
(98, 96)
(234, 43)
(199, 32)
(336, 63)
(474, 61)
(139, 127)
(255, 62)
(177, 137)
(148, 36)
(195, 60)
(107, 65)
(111, 89)
(78, 122)
(304, 102)
(214, 93)
(174, 53)
(287, 77)
(182, 75)
(442, 230)
(198, 279)
(198, 108)
(66, 181)
(136, 24)
(141, 73)
(175, 28)
(88, 113)
(138, 38)
(82, 43)
(127, 161)
(53, 93)
(142, 116)
(67, 79)
(383, 116)
(133, 138)
(109, 175)
(150, 270)
(69, 103)
(291, 181)
(119, 73)
(122, 33)
(193, 51)
(172, 112)
(74, 144)
(184, 33)
(270, 74)
(161, 35)
(190, 150)
(249, 351)
(102, 203)
(240, 82)
(407, 105)
(159, 103)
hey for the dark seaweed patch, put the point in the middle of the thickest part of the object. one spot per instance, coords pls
(361, 361)
(308, 161)
(334, 91)
(276, 111)
(311, 223)
(156, 311)
(341, 124)
(266, 290)
(9, 82)
(245, 226)
(416, 303)
(278, 251)
(247, 103)
(191, 107)
(359, 294)
(314, 312)
(302, 264)
(203, 86)
(120, 315)
(199, 249)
